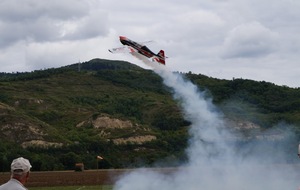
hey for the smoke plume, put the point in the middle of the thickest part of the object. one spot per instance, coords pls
(213, 160)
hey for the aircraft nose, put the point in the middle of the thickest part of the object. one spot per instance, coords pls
(122, 38)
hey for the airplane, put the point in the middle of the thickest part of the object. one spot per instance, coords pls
(135, 47)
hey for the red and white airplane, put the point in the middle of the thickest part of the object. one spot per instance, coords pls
(135, 47)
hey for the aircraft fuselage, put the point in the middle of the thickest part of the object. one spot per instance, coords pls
(142, 49)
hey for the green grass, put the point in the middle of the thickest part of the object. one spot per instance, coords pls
(99, 187)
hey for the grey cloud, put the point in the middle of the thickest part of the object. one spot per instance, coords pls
(16, 11)
(93, 25)
(250, 40)
(47, 21)
(40, 30)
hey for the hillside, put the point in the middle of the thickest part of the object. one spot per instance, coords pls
(58, 117)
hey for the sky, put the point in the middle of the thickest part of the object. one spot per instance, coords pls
(225, 39)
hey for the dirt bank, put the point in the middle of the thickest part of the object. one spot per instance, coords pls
(70, 178)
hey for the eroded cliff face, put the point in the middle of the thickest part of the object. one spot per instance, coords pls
(23, 130)
(17, 129)
(20, 132)
(28, 132)
(246, 130)
(119, 131)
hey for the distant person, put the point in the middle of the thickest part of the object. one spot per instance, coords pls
(20, 169)
(299, 150)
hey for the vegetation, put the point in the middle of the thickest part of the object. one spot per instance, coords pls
(265, 103)
(48, 105)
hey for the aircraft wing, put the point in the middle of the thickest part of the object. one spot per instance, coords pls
(147, 42)
(119, 50)
(123, 49)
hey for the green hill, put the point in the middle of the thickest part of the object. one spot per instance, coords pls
(60, 116)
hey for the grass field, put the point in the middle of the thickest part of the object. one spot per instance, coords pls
(99, 187)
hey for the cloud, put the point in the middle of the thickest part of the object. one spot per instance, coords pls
(43, 21)
(45, 34)
(93, 25)
(30, 10)
(250, 40)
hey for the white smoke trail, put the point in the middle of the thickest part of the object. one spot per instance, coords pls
(213, 163)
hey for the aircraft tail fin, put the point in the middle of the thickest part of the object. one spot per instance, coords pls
(160, 57)
(161, 53)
